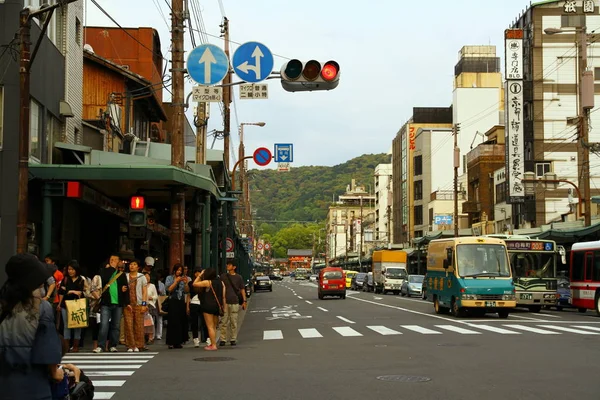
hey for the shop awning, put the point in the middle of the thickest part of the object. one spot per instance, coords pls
(124, 180)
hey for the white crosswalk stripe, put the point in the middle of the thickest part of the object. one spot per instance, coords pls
(473, 329)
(108, 371)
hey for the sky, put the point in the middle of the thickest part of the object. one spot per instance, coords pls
(393, 55)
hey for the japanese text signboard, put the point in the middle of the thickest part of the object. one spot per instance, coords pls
(514, 123)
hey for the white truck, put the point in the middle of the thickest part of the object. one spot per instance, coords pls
(389, 270)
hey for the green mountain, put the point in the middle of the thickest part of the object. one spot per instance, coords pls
(304, 194)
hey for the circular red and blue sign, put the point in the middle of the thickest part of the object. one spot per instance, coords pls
(262, 156)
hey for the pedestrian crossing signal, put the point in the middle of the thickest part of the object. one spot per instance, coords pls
(137, 217)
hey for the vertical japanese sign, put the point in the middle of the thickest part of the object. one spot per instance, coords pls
(513, 108)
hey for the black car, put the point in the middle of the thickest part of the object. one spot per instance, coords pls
(263, 283)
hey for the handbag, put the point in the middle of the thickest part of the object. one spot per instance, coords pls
(97, 306)
(163, 305)
(221, 311)
(239, 295)
(77, 313)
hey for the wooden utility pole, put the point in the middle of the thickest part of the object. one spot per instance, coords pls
(455, 131)
(226, 97)
(202, 114)
(177, 135)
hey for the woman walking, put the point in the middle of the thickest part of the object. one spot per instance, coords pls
(134, 312)
(29, 343)
(73, 287)
(213, 300)
(152, 310)
(176, 290)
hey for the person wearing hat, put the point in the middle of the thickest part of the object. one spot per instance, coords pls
(30, 348)
(149, 268)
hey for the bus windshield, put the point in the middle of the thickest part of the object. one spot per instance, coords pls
(395, 273)
(481, 260)
(533, 265)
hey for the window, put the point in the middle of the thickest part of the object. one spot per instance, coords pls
(541, 169)
(500, 192)
(1, 116)
(597, 74)
(418, 215)
(418, 160)
(572, 21)
(577, 266)
(76, 138)
(35, 115)
(52, 135)
(78, 31)
(418, 189)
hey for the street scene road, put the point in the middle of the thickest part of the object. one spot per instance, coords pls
(294, 346)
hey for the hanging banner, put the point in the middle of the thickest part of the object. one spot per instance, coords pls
(514, 54)
(515, 163)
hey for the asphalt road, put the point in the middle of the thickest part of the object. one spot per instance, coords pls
(294, 346)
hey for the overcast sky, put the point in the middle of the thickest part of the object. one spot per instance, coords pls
(393, 55)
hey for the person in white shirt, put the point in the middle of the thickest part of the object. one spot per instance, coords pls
(152, 309)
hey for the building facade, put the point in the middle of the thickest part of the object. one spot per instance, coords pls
(383, 204)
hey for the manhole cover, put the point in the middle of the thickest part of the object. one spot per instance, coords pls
(211, 359)
(404, 378)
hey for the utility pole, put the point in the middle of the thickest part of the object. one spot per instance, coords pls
(455, 131)
(202, 114)
(177, 140)
(586, 101)
(226, 97)
(26, 61)
(241, 154)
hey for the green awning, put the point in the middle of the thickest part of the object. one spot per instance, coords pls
(569, 235)
(120, 180)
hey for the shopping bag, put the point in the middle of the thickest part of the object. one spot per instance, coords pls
(148, 321)
(77, 313)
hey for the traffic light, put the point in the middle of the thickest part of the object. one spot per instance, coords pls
(297, 76)
(137, 217)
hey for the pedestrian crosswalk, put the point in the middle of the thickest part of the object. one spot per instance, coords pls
(108, 371)
(466, 329)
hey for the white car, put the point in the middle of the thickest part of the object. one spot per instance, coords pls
(313, 278)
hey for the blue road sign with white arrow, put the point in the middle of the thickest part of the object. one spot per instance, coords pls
(207, 64)
(284, 152)
(253, 62)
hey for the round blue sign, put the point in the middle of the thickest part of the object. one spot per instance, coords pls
(253, 62)
(207, 64)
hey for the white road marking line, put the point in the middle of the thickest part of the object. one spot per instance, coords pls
(146, 354)
(322, 309)
(122, 366)
(420, 329)
(384, 330)
(124, 357)
(272, 335)
(570, 330)
(98, 383)
(346, 331)
(527, 318)
(532, 329)
(458, 329)
(301, 298)
(103, 395)
(309, 302)
(109, 373)
(88, 361)
(346, 320)
(494, 329)
(310, 333)
(592, 328)
(551, 315)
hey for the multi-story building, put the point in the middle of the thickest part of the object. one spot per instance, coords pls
(551, 56)
(347, 220)
(502, 210)
(412, 151)
(383, 204)
(55, 106)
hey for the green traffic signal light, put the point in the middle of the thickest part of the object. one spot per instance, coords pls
(293, 69)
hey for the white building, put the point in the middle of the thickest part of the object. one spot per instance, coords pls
(383, 203)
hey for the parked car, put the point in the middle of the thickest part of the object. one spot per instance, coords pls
(349, 276)
(263, 283)
(313, 278)
(564, 290)
(332, 282)
(357, 281)
(368, 283)
(412, 285)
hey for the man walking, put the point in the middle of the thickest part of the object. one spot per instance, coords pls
(112, 301)
(235, 294)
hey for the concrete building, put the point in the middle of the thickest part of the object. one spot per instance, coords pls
(348, 224)
(55, 108)
(412, 169)
(551, 101)
(383, 204)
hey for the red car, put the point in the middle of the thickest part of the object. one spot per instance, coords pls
(332, 282)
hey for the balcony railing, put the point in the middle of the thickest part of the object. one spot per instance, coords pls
(485, 150)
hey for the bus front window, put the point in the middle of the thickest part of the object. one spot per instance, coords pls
(479, 260)
(533, 265)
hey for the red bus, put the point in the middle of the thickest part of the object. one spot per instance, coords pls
(585, 276)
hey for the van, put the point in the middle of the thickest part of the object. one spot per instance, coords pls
(332, 282)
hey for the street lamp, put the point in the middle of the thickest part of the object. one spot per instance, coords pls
(530, 182)
(244, 186)
(585, 103)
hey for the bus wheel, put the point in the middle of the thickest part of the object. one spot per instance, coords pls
(503, 314)
(457, 311)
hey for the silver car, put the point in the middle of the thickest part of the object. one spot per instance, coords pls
(412, 285)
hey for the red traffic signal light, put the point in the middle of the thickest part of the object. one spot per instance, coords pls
(312, 75)
(74, 190)
(137, 203)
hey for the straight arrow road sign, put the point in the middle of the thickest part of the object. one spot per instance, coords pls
(207, 64)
